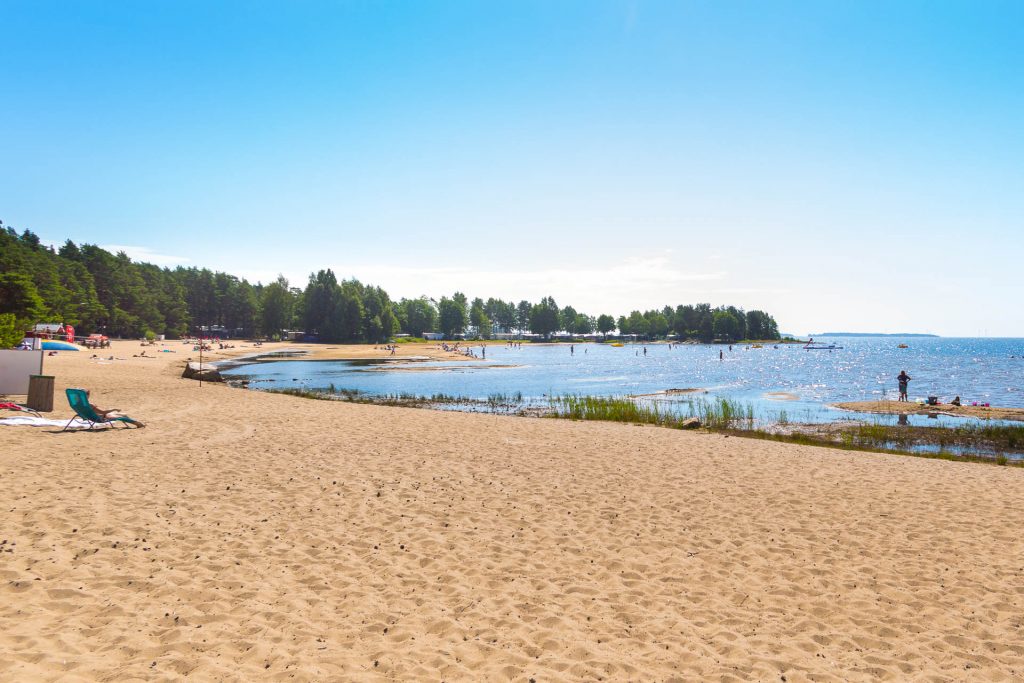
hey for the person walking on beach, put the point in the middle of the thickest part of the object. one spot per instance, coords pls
(903, 378)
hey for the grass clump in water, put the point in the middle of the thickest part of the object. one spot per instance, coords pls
(967, 437)
(723, 413)
(495, 402)
(720, 414)
(610, 409)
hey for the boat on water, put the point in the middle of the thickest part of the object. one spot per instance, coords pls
(616, 344)
(902, 346)
(812, 345)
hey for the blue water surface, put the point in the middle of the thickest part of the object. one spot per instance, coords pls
(772, 379)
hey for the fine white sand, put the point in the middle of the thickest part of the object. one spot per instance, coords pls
(248, 536)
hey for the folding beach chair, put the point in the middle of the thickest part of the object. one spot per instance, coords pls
(79, 402)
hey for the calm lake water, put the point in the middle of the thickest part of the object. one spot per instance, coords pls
(787, 378)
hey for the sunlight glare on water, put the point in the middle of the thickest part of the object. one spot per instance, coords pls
(803, 383)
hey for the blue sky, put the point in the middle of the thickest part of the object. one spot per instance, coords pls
(843, 165)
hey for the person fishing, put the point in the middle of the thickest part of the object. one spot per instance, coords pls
(903, 378)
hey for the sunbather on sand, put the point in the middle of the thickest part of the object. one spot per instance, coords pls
(112, 413)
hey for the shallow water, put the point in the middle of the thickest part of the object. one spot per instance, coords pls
(786, 379)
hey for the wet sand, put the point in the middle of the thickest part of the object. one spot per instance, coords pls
(251, 536)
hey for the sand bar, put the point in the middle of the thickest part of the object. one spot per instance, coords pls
(366, 352)
(668, 392)
(251, 536)
(911, 408)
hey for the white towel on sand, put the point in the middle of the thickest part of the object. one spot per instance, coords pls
(30, 421)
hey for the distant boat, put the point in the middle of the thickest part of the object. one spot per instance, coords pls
(820, 346)
(616, 344)
(902, 346)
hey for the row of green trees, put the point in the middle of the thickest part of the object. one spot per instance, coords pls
(701, 322)
(97, 291)
(455, 315)
(344, 311)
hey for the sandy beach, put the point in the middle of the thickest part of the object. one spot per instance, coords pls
(251, 536)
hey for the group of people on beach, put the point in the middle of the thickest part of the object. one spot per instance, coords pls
(464, 351)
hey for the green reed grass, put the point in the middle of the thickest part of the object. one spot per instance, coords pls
(612, 409)
(403, 398)
(732, 417)
(972, 436)
(723, 413)
(717, 414)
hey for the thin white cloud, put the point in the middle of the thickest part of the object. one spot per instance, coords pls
(632, 272)
(629, 276)
(753, 290)
(615, 286)
(146, 255)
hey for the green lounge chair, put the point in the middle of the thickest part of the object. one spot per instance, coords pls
(79, 402)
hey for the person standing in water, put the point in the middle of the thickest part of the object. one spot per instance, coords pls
(903, 378)
(721, 354)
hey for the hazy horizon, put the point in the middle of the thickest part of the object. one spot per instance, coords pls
(846, 167)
